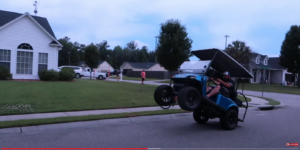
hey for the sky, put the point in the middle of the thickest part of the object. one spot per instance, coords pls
(261, 24)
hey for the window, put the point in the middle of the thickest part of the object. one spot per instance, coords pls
(43, 61)
(5, 58)
(266, 62)
(25, 46)
(257, 60)
(24, 62)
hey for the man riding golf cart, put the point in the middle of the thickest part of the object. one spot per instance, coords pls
(190, 87)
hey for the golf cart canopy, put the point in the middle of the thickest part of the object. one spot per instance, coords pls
(198, 67)
(222, 62)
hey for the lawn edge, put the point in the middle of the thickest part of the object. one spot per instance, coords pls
(270, 100)
(69, 119)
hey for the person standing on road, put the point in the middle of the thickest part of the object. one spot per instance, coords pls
(118, 74)
(143, 74)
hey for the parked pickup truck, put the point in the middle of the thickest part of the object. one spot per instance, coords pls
(97, 75)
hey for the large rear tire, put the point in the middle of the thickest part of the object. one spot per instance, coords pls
(163, 95)
(199, 116)
(229, 120)
(189, 98)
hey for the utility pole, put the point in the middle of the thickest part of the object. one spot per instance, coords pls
(156, 37)
(226, 36)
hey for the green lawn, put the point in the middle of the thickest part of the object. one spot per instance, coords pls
(271, 88)
(135, 79)
(84, 94)
(167, 81)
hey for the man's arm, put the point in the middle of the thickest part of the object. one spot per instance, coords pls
(228, 85)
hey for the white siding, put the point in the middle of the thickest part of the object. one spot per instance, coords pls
(26, 31)
(157, 67)
(104, 67)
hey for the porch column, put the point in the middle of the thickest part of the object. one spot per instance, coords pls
(269, 77)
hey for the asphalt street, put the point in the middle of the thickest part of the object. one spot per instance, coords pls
(261, 129)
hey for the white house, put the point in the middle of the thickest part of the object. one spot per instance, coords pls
(140, 66)
(27, 44)
(268, 69)
(103, 66)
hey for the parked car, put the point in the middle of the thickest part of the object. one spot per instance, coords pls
(113, 72)
(78, 70)
(98, 75)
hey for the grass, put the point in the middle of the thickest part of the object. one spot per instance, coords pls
(271, 101)
(133, 78)
(167, 81)
(31, 122)
(40, 97)
(271, 88)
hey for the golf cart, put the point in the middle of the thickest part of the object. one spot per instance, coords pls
(189, 88)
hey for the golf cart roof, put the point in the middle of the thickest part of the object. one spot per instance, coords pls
(222, 62)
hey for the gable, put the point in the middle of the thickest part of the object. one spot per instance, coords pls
(24, 30)
(145, 65)
(8, 18)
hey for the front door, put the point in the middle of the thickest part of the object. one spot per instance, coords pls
(254, 76)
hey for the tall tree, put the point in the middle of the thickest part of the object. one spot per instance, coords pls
(117, 56)
(69, 54)
(290, 51)
(143, 55)
(174, 46)
(103, 48)
(239, 51)
(152, 56)
(91, 57)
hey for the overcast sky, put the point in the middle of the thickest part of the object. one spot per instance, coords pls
(262, 24)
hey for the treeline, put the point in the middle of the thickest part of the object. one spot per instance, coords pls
(115, 57)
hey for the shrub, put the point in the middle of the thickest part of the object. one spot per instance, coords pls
(48, 75)
(5, 73)
(66, 74)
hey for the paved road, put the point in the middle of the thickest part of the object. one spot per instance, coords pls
(288, 99)
(261, 129)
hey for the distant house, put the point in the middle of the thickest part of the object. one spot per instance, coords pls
(153, 69)
(27, 45)
(268, 70)
(103, 66)
(140, 66)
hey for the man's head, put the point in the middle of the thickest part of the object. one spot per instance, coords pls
(226, 75)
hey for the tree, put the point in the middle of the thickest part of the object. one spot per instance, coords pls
(103, 50)
(239, 51)
(91, 57)
(290, 52)
(68, 47)
(174, 47)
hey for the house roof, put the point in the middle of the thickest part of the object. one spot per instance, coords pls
(274, 62)
(7, 17)
(260, 65)
(254, 55)
(142, 65)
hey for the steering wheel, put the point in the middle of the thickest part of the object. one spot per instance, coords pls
(224, 92)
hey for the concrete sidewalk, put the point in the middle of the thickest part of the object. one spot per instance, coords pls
(255, 100)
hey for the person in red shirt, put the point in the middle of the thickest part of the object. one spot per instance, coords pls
(143, 74)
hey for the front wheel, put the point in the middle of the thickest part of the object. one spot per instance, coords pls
(77, 75)
(100, 77)
(189, 98)
(199, 116)
(163, 95)
(229, 120)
